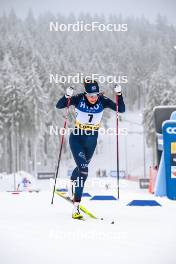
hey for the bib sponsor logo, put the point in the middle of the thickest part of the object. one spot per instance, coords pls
(84, 106)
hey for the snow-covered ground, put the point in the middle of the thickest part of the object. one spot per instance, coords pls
(34, 231)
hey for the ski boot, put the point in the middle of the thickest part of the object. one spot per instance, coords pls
(76, 212)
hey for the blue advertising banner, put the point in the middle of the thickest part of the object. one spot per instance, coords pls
(169, 137)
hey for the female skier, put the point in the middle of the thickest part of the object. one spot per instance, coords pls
(89, 108)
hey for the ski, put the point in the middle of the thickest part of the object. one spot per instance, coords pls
(82, 208)
(80, 219)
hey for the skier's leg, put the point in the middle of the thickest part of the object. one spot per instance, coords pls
(75, 174)
(80, 173)
(90, 144)
(70, 186)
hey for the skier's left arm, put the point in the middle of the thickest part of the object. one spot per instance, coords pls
(108, 103)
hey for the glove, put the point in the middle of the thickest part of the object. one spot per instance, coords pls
(69, 92)
(118, 89)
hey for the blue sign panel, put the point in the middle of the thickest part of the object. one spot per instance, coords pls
(169, 136)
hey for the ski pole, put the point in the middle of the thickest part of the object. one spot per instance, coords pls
(60, 152)
(117, 151)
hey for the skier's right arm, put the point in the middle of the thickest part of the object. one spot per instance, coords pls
(74, 100)
(62, 103)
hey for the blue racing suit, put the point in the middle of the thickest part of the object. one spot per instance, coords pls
(84, 139)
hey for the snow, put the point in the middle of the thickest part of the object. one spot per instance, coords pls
(34, 231)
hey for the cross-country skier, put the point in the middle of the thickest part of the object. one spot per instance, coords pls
(24, 184)
(89, 108)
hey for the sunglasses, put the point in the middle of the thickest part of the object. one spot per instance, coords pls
(92, 95)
